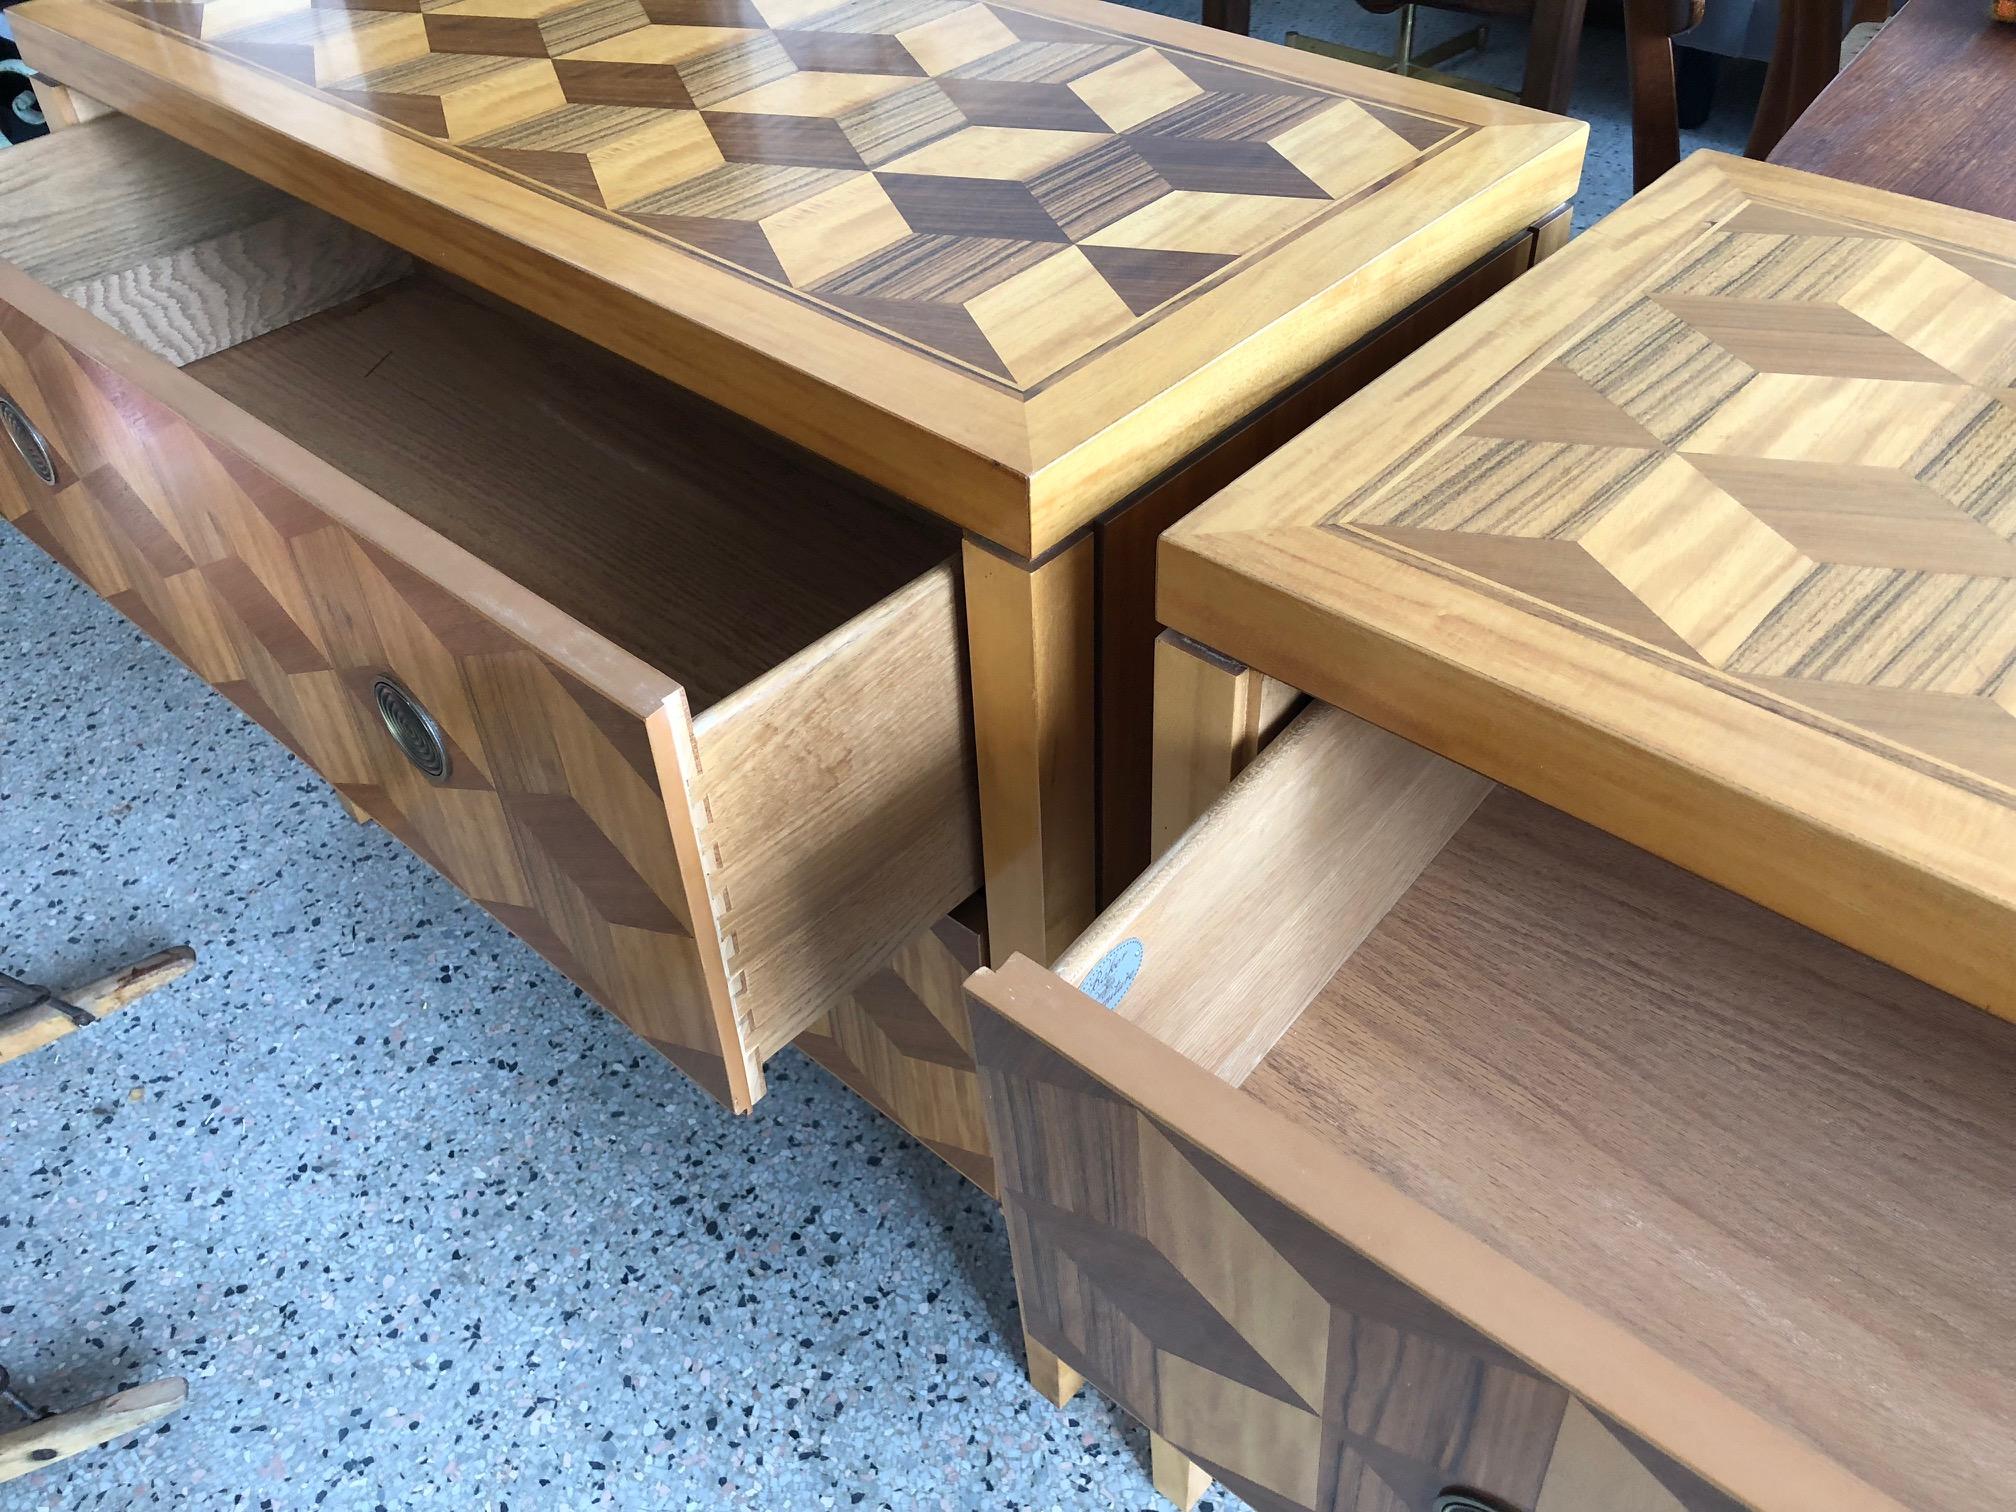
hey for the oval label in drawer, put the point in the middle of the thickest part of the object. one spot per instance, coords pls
(1113, 973)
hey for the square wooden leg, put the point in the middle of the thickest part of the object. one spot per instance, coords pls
(63, 106)
(1030, 642)
(1175, 1474)
(1050, 1375)
(1212, 716)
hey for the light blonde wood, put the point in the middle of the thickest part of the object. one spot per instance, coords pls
(703, 547)
(1127, 544)
(63, 107)
(1175, 1475)
(1056, 1381)
(172, 248)
(1030, 632)
(839, 793)
(36, 1446)
(1087, 410)
(1629, 665)
(1231, 933)
(1212, 716)
(31, 1029)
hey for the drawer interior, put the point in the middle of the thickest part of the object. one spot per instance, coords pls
(771, 645)
(662, 523)
(696, 542)
(1781, 1163)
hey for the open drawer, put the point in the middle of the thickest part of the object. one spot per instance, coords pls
(683, 708)
(1397, 1138)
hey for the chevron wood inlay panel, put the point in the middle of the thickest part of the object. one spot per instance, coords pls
(552, 812)
(1297, 1373)
(901, 1042)
(1725, 503)
(1003, 228)
(1005, 190)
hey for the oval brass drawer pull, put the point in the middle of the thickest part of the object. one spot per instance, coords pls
(412, 729)
(28, 441)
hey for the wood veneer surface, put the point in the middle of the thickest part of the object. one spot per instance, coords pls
(1782, 1164)
(1925, 110)
(1012, 260)
(1703, 531)
(87, 203)
(652, 517)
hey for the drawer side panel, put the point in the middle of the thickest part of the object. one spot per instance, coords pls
(551, 812)
(840, 804)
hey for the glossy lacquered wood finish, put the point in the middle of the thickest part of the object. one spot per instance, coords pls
(1922, 111)
(1706, 532)
(1011, 261)
(1126, 539)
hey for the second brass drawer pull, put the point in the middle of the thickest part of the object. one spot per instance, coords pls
(412, 729)
(28, 441)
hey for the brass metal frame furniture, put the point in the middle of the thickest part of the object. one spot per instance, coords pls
(1553, 1074)
(691, 470)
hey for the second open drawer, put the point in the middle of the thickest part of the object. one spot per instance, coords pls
(1399, 1138)
(684, 709)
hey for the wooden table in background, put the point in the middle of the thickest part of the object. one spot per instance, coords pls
(1926, 111)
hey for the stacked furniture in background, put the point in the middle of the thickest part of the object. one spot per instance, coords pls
(543, 474)
(1427, 1127)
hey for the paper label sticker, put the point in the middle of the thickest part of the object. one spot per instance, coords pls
(1113, 973)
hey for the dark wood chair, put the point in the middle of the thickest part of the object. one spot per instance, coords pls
(1805, 56)
(1551, 51)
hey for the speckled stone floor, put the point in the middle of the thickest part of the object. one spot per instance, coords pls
(420, 1224)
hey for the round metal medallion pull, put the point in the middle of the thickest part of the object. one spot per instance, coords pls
(28, 441)
(412, 729)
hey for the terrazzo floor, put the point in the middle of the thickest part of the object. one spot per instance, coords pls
(421, 1225)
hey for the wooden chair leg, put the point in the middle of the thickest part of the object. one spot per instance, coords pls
(1175, 1474)
(1229, 15)
(31, 1027)
(1804, 59)
(1057, 1381)
(1655, 104)
(1551, 53)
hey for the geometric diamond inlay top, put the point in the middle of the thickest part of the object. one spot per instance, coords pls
(1704, 532)
(1792, 457)
(1005, 191)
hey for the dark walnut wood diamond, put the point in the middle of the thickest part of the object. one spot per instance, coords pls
(1007, 191)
